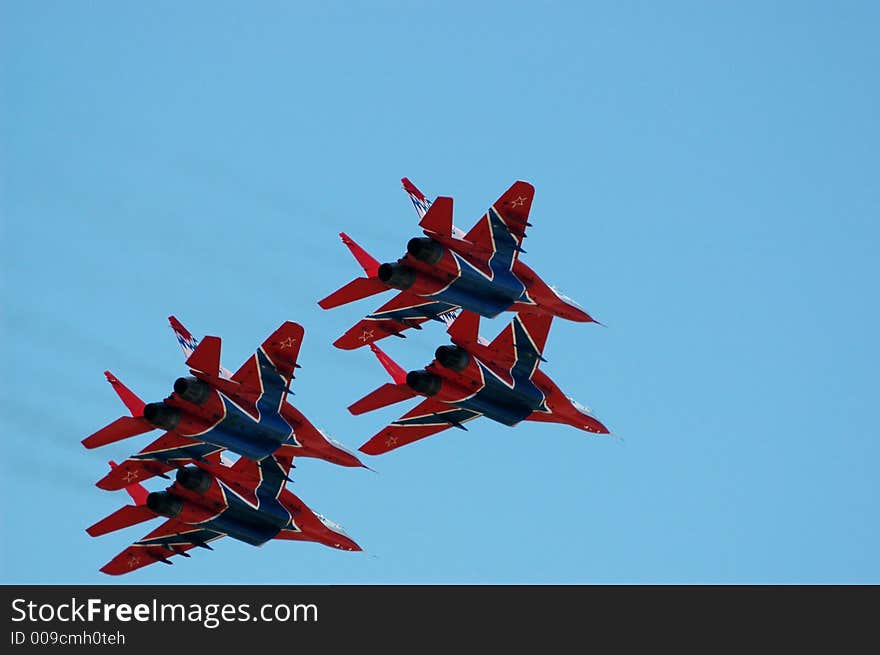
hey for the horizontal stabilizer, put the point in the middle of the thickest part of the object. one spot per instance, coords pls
(124, 517)
(132, 470)
(136, 490)
(387, 394)
(361, 287)
(206, 357)
(438, 218)
(122, 428)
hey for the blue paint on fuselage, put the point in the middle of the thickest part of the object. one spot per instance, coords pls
(252, 525)
(487, 296)
(240, 432)
(505, 403)
(501, 402)
(255, 439)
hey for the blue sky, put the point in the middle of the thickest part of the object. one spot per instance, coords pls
(706, 185)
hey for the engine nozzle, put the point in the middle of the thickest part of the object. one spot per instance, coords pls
(423, 382)
(397, 276)
(194, 479)
(425, 250)
(164, 504)
(192, 390)
(162, 415)
(452, 357)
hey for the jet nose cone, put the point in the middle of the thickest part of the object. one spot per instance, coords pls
(579, 315)
(343, 543)
(576, 314)
(600, 429)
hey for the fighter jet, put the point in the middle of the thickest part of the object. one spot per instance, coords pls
(246, 413)
(447, 270)
(500, 380)
(208, 500)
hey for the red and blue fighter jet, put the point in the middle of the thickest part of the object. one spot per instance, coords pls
(471, 378)
(208, 500)
(245, 412)
(447, 270)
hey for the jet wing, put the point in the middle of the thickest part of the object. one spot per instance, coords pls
(520, 345)
(501, 230)
(276, 356)
(171, 538)
(405, 310)
(164, 454)
(427, 418)
(263, 481)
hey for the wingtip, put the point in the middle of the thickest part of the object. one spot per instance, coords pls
(179, 328)
(369, 449)
(409, 187)
(104, 484)
(527, 186)
(343, 344)
(599, 428)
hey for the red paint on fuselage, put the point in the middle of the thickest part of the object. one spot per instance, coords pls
(311, 527)
(545, 299)
(562, 410)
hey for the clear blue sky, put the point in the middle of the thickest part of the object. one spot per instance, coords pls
(706, 185)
